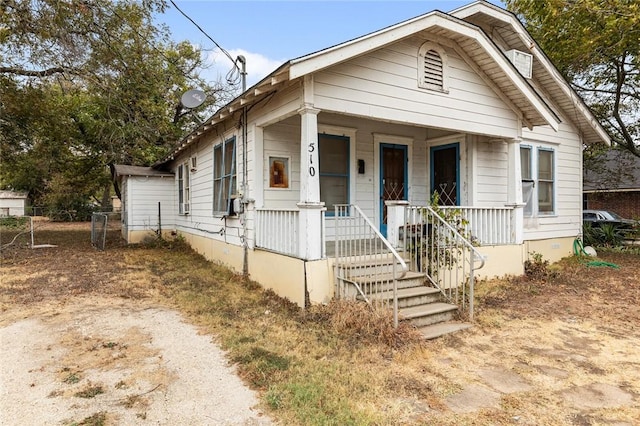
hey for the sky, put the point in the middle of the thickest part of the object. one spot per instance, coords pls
(268, 33)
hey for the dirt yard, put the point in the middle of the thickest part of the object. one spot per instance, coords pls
(86, 340)
(81, 345)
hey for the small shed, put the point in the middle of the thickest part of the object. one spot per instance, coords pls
(147, 201)
(13, 203)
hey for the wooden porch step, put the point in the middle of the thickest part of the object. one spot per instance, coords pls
(428, 314)
(436, 330)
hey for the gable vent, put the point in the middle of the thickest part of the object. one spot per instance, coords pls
(433, 70)
(522, 61)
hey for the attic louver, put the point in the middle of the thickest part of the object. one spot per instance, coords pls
(433, 77)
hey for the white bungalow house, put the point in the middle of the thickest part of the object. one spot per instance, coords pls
(350, 143)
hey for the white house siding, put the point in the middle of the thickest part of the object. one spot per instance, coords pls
(12, 206)
(491, 175)
(125, 215)
(282, 140)
(142, 197)
(383, 85)
(202, 220)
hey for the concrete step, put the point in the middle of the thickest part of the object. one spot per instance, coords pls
(385, 281)
(440, 329)
(367, 259)
(369, 267)
(431, 313)
(412, 296)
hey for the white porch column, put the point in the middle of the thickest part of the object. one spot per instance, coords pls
(309, 161)
(395, 219)
(514, 191)
(311, 225)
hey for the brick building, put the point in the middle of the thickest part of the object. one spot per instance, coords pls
(613, 183)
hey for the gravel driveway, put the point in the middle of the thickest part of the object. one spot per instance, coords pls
(98, 361)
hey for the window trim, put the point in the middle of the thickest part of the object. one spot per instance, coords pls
(528, 212)
(232, 175)
(287, 169)
(552, 181)
(422, 52)
(183, 178)
(530, 149)
(534, 168)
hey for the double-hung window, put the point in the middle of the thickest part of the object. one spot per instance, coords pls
(224, 174)
(184, 178)
(334, 170)
(538, 180)
(527, 179)
(545, 181)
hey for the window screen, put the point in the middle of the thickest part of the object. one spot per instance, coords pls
(334, 170)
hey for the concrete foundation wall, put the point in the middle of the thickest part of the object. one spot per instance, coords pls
(284, 275)
(313, 282)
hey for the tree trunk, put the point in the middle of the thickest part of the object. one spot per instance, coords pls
(106, 198)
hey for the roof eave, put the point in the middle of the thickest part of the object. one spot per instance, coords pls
(329, 57)
(482, 7)
(246, 99)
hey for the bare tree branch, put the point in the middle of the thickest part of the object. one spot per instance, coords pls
(627, 138)
(34, 73)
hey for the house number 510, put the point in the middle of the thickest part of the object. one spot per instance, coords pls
(312, 169)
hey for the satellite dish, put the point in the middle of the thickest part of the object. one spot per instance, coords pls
(193, 98)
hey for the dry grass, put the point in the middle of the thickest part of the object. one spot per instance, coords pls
(343, 364)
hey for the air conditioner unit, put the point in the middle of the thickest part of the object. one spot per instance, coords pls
(522, 61)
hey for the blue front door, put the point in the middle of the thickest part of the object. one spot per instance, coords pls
(445, 173)
(393, 178)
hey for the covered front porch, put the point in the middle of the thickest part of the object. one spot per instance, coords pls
(355, 194)
(315, 162)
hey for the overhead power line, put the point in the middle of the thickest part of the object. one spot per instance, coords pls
(231, 76)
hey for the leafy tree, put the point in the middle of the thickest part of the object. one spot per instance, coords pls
(595, 44)
(87, 83)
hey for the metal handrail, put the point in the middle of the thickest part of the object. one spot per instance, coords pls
(366, 249)
(437, 246)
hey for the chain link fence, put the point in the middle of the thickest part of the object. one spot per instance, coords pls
(99, 222)
(22, 234)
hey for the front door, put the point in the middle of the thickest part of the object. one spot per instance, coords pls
(393, 178)
(445, 174)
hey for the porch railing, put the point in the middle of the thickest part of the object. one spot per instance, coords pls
(366, 264)
(487, 225)
(277, 230)
(443, 253)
